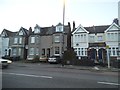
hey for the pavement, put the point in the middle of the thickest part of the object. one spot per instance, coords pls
(91, 68)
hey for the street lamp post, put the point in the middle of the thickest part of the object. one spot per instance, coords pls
(63, 21)
(63, 29)
(63, 13)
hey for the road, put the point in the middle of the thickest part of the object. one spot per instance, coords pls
(25, 75)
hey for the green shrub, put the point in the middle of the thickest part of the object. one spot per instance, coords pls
(69, 56)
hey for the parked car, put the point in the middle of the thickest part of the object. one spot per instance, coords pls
(54, 59)
(4, 63)
(43, 59)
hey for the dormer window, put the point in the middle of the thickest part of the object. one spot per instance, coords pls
(20, 33)
(37, 29)
(59, 28)
(3, 34)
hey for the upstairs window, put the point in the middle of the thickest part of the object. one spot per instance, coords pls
(37, 39)
(57, 38)
(20, 40)
(15, 40)
(32, 40)
(84, 37)
(91, 38)
(100, 38)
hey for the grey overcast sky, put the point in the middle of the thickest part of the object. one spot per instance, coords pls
(28, 13)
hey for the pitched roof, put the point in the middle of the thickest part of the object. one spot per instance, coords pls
(59, 24)
(50, 30)
(97, 29)
(37, 26)
(9, 33)
(24, 29)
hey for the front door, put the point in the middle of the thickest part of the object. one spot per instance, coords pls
(48, 52)
(93, 54)
(102, 55)
(9, 52)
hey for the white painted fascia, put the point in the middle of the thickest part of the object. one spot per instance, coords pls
(111, 26)
(80, 26)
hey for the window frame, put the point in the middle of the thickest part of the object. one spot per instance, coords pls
(20, 40)
(57, 50)
(32, 39)
(15, 40)
(57, 38)
(100, 38)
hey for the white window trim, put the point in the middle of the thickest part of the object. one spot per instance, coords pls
(58, 51)
(32, 39)
(37, 30)
(100, 38)
(59, 28)
(20, 40)
(79, 51)
(57, 38)
(15, 40)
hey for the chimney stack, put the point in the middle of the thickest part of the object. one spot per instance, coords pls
(116, 21)
(73, 25)
(30, 30)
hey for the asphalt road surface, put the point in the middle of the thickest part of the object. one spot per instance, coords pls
(24, 75)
